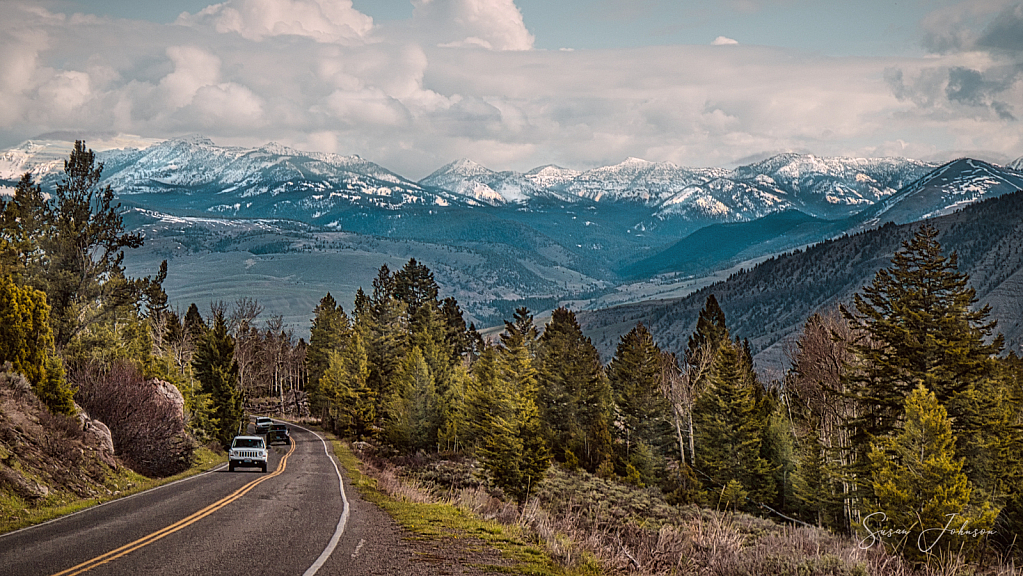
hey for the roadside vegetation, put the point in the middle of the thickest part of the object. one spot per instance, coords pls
(893, 445)
(96, 400)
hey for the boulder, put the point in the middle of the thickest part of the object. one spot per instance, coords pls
(171, 393)
(97, 435)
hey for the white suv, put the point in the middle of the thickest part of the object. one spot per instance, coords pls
(247, 451)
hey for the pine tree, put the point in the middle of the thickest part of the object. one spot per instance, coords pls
(351, 403)
(730, 428)
(919, 329)
(458, 337)
(516, 373)
(83, 275)
(414, 412)
(1006, 445)
(686, 383)
(574, 395)
(920, 485)
(329, 331)
(414, 285)
(214, 366)
(23, 221)
(384, 331)
(711, 330)
(193, 323)
(644, 434)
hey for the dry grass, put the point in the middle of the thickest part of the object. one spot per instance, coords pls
(588, 524)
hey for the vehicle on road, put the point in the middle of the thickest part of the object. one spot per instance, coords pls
(278, 433)
(247, 451)
(263, 424)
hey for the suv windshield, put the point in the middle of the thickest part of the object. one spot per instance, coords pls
(247, 443)
(278, 427)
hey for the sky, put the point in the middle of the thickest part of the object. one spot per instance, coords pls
(413, 85)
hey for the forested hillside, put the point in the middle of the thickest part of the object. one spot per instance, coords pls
(771, 301)
(900, 406)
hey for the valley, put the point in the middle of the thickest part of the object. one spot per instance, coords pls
(625, 242)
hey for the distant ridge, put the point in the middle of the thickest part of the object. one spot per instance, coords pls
(769, 302)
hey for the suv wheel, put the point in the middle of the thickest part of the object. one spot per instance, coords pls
(230, 467)
(263, 467)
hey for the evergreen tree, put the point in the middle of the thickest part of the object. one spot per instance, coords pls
(711, 331)
(920, 485)
(458, 337)
(920, 330)
(329, 331)
(26, 342)
(84, 243)
(484, 399)
(414, 285)
(351, 403)
(193, 323)
(501, 414)
(686, 383)
(384, 331)
(1006, 444)
(643, 421)
(453, 432)
(214, 366)
(574, 395)
(730, 428)
(23, 221)
(517, 375)
(414, 412)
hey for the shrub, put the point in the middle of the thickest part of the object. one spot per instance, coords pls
(147, 428)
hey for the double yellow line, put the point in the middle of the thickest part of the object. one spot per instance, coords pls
(180, 524)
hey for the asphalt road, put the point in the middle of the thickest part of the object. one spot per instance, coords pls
(245, 522)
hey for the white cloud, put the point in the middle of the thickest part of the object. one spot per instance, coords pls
(194, 68)
(334, 21)
(723, 41)
(228, 106)
(489, 24)
(460, 79)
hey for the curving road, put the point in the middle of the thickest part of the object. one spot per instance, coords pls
(290, 520)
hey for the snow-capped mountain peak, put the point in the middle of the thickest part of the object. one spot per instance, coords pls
(943, 191)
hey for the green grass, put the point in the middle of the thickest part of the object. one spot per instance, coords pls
(16, 513)
(446, 521)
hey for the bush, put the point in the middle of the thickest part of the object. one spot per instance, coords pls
(148, 430)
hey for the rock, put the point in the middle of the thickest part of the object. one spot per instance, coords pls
(102, 434)
(97, 434)
(172, 394)
(22, 486)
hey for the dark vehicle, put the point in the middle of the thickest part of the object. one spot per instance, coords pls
(278, 433)
(263, 424)
(247, 451)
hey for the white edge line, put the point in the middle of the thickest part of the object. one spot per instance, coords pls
(341, 523)
(115, 500)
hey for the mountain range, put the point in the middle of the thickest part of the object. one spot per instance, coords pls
(544, 237)
(768, 302)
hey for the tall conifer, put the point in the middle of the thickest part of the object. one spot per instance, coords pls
(643, 428)
(214, 366)
(919, 329)
(574, 396)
